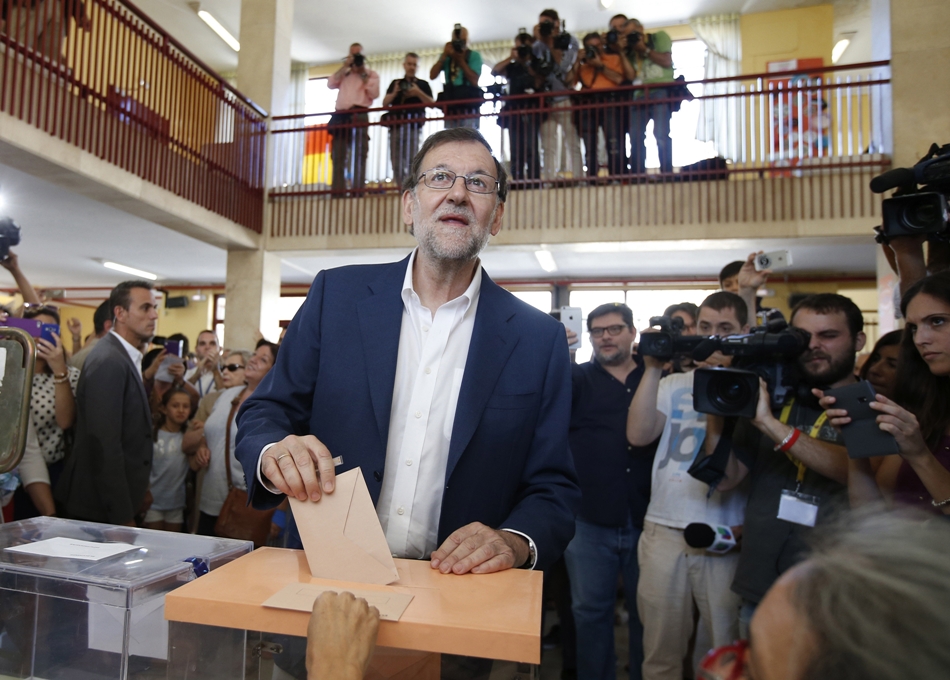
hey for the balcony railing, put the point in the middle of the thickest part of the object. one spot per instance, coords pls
(784, 146)
(102, 76)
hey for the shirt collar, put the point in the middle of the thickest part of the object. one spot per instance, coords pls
(134, 353)
(470, 295)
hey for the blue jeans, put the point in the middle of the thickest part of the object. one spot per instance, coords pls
(594, 558)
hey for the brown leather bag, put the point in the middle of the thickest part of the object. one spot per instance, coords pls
(237, 519)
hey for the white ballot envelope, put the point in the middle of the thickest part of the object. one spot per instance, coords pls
(341, 534)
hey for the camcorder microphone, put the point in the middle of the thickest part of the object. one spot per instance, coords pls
(893, 179)
(716, 539)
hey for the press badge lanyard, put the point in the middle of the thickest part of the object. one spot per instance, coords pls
(795, 506)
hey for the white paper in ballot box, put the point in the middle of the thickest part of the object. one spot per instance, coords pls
(148, 629)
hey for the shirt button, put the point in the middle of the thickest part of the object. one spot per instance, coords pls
(418, 414)
(400, 510)
(425, 329)
(409, 461)
(628, 469)
(428, 370)
(628, 389)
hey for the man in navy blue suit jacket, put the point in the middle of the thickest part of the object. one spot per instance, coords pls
(450, 394)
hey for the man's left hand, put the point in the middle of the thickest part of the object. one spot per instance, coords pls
(763, 409)
(480, 549)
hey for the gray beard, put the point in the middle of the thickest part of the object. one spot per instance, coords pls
(466, 251)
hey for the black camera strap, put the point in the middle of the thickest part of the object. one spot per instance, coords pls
(712, 468)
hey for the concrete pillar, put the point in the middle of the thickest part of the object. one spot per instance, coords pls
(253, 280)
(263, 72)
(920, 52)
(252, 292)
(888, 297)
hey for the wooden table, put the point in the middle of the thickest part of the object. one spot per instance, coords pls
(493, 616)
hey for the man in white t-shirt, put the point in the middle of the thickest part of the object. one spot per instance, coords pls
(674, 577)
(206, 375)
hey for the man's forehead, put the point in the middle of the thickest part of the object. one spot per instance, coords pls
(710, 315)
(809, 319)
(140, 296)
(207, 336)
(608, 319)
(460, 157)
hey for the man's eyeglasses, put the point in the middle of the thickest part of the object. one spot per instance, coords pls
(232, 367)
(611, 330)
(477, 182)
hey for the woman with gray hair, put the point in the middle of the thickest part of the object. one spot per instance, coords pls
(872, 602)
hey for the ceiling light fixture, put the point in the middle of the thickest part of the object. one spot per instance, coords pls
(838, 50)
(605, 4)
(546, 260)
(216, 26)
(130, 270)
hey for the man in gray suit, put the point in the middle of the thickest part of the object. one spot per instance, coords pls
(106, 477)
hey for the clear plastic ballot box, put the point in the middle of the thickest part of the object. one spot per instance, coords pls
(85, 601)
(472, 627)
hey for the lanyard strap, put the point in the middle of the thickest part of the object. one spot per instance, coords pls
(813, 433)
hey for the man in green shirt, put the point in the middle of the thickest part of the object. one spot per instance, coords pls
(461, 68)
(653, 61)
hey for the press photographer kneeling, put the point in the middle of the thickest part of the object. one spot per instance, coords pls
(797, 467)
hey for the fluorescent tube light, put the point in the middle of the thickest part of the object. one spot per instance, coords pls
(839, 49)
(220, 30)
(130, 270)
(546, 260)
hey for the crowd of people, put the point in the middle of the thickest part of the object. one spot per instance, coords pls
(579, 79)
(96, 404)
(485, 448)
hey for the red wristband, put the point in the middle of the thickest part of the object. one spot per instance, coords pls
(789, 442)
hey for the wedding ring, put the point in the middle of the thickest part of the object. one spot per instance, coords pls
(283, 455)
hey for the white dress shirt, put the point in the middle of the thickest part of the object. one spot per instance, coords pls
(429, 369)
(134, 353)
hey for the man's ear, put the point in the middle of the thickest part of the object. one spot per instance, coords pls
(499, 215)
(860, 341)
(408, 202)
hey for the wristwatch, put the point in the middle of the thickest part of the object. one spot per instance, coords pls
(532, 556)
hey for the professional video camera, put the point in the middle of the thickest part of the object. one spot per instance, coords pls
(9, 236)
(670, 342)
(769, 352)
(917, 209)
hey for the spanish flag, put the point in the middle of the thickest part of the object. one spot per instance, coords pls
(317, 166)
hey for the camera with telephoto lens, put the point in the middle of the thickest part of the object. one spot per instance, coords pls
(457, 43)
(358, 60)
(612, 37)
(9, 236)
(562, 41)
(920, 206)
(524, 51)
(404, 84)
(669, 342)
(590, 53)
(769, 352)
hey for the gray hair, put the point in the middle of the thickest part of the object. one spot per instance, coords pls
(243, 352)
(449, 136)
(876, 594)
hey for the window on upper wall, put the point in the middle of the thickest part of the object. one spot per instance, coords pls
(689, 61)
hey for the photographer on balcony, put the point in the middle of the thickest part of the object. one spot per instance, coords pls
(653, 62)
(794, 458)
(600, 70)
(461, 67)
(358, 86)
(521, 116)
(406, 124)
(556, 55)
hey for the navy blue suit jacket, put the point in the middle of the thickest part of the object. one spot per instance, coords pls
(509, 463)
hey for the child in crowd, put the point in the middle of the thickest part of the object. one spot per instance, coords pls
(169, 464)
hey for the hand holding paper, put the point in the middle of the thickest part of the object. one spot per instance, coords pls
(298, 466)
(341, 534)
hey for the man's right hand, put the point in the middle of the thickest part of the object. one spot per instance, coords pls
(341, 637)
(652, 362)
(298, 466)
